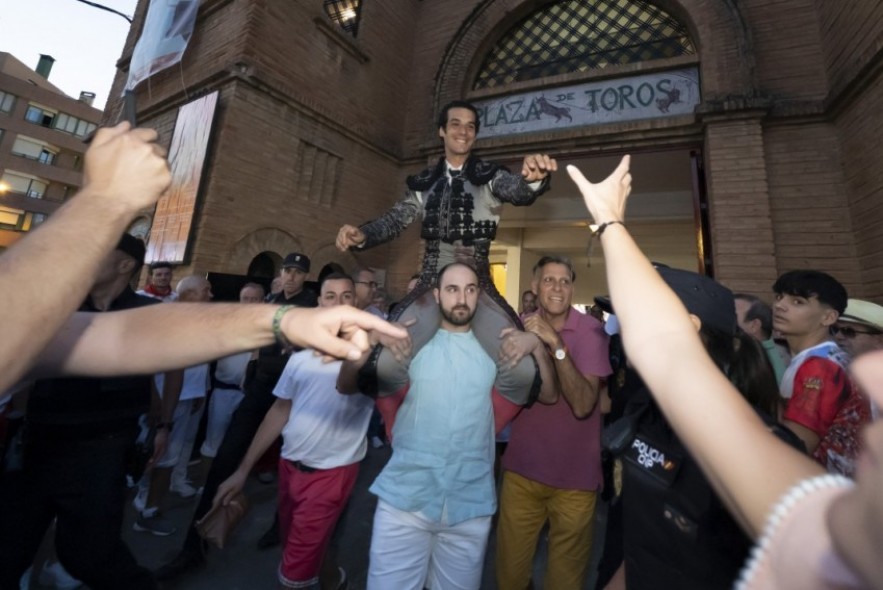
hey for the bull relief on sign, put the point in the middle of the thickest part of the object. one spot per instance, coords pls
(649, 96)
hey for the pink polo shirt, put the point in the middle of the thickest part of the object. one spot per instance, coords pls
(548, 444)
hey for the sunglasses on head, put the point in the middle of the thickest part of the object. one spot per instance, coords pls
(851, 332)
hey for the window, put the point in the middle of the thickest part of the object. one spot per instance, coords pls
(581, 35)
(40, 116)
(73, 125)
(24, 184)
(11, 218)
(46, 157)
(7, 101)
(345, 14)
(34, 149)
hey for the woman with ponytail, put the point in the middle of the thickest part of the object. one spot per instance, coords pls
(677, 533)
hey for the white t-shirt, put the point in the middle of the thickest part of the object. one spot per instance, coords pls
(195, 382)
(231, 369)
(325, 429)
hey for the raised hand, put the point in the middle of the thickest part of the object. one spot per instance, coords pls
(537, 167)
(605, 200)
(126, 166)
(348, 236)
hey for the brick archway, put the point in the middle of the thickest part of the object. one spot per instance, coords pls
(268, 239)
(726, 54)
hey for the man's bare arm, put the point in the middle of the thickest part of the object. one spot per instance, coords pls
(125, 342)
(580, 391)
(125, 171)
(269, 431)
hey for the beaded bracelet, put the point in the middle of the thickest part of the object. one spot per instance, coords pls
(779, 512)
(277, 325)
(603, 226)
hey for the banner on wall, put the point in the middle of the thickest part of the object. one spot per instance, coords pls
(167, 30)
(648, 96)
(170, 233)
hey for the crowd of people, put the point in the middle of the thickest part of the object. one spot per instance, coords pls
(707, 421)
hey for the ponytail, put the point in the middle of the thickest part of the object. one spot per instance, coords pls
(744, 362)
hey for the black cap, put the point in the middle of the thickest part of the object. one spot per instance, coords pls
(703, 297)
(297, 260)
(132, 246)
(603, 301)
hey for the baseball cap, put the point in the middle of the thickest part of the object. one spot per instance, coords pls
(703, 297)
(297, 260)
(863, 312)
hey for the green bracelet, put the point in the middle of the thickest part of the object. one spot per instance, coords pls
(277, 325)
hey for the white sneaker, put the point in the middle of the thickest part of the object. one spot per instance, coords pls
(55, 576)
(150, 521)
(183, 489)
(140, 501)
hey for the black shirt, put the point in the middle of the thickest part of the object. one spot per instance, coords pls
(84, 406)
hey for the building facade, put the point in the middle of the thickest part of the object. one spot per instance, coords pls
(41, 144)
(755, 127)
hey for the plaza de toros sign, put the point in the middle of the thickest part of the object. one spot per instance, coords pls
(649, 96)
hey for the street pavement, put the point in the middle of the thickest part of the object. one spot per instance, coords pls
(242, 566)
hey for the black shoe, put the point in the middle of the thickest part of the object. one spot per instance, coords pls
(187, 560)
(271, 537)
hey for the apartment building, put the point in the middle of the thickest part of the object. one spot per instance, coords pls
(41, 144)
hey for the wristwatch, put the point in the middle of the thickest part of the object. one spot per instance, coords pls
(561, 353)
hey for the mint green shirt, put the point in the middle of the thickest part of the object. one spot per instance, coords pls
(443, 437)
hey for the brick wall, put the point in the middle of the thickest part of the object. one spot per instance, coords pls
(852, 38)
(787, 49)
(739, 205)
(860, 130)
(808, 202)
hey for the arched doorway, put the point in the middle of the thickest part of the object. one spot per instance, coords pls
(265, 265)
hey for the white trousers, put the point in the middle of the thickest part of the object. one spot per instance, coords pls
(410, 552)
(220, 411)
(185, 424)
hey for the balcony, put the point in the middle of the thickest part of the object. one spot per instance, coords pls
(52, 172)
(33, 203)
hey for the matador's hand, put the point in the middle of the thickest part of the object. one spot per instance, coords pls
(537, 167)
(349, 236)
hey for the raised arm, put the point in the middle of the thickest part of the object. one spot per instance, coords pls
(747, 465)
(383, 229)
(125, 342)
(523, 189)
(125, 171)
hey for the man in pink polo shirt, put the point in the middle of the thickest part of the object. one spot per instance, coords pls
(553, 462)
